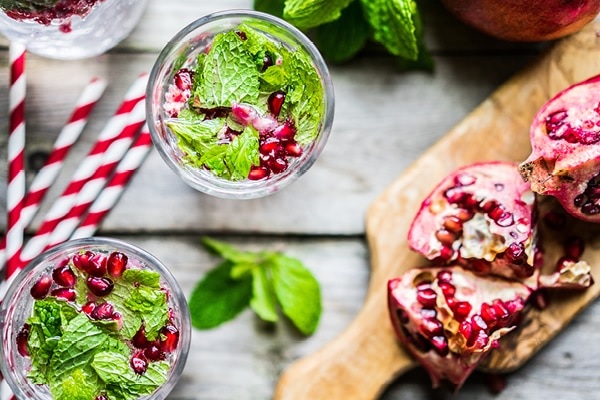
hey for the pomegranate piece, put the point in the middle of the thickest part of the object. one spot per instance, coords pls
(99, 286)
(480, 216)
(275, 102)
(67, 294)
(64, 276)
(139, 363)
(116, 264)
(565, 157)
(104, 311)
(41, 288)
(466, 323)
(22, 338)
(169, 338)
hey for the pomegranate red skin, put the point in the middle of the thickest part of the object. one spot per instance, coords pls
(482, 216)
(496, 306)
(525, 21)
(566, 165)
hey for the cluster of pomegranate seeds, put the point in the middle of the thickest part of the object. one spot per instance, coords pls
(153, 350)
(589, 200)
(62, 10)
(558, 127)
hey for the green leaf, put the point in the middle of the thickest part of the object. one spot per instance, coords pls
(79, 385)
(263, 301)
(214, 159)
(424, 61)
(142, 277)
(151, 306)
(229, 252)
(310, 13)
(229, 74)
(393, 24)
(343, 38)
(195, 137)
(242, 153)
(218, 298)
(273, 7)
(298, 292)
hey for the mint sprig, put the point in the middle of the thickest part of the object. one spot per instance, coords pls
(265, 281)
(341, 28)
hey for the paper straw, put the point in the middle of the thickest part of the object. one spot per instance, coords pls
(16, 157)
(65, 140)
(98, 181)
(135, 95)
(114, 188)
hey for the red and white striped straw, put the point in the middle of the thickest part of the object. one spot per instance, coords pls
(92, 189)
(16, 157)
(114, 188)
(65, 140)
(134, 96)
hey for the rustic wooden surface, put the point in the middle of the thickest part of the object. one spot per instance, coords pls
(385, 120)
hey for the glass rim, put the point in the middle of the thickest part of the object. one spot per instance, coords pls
(223, 188)
(152, 261)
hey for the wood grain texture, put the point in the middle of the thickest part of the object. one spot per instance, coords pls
(496, 130)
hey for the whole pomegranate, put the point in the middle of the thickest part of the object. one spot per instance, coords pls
(525, 20)
(565, 157)
(449, 318)
(481, 216)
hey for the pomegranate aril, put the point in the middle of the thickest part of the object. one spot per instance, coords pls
(139, 363)
(275, 102)
(101, 397)
(428, 313)
(22, 338)
(501, 311)
(445, 237)
(97, 265)
(447, 288)
(41, 287)
(431, 327)
(184, 79)
(426, 297)
(258, 173)
(477, 323)
(139, 340)
(278, 165)
(463, 215)
(116, 264)
(488, 314)
(446, 253)
(154, 353)
(270, 146)
(64, 276)
(88, 307)
(453, 224)
(487, 206)
(440, 345)
(461, 310)
(99, 286)
(104, 311)
(444, 276)
(267, 62)
(285, 132)
(464, 179)
(574, 247)
(466, 330)
(81, 260)
(293, 149)
(169, 338)
(515, 252)
(455, 196)
(67, 294)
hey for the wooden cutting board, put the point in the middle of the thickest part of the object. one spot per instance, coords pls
(366, 356)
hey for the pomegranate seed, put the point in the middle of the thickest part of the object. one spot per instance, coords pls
(103, 311)
(139, 340)
(426, 297)
(444, 276)
(270, 146)
(445, 237)
(453, 224)
(446, 253)
(464, 179)
(461, 310)
(478, 323)
(452, 302)
(22, 338)
(440, 345)
(41, 288)
(67, 294)
(574, 247)
(81, 260)
(514, 306)
(447, 288)
(267, 62)
(154, 353)
(428, 313)
(431, 327)
(502, 313)
(481, 339)
(101, 397)
(487, 206)
(139, 363)
(278, 165)
(241, 35)
(496, 212)
(285, 132)
(116, 264)
(64, 276)
(88, 307)
(488, 314)
(258, 173)
(515, 252)
(471, 202)
(275, 102)
(293, 149)
(455, 196)
(97, 265)
(99, 286)
(466, 330)
(169, 338)
(183, 79)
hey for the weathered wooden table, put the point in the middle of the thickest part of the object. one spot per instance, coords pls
(385, 119)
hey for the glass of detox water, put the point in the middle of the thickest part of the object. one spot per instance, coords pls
(240, 104)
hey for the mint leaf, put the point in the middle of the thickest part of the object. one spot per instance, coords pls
(273, 7)
(298, 292)
(342, 39)
(228, 252)
(393, 25)
(131, 320)
(242, 153)
(122, 382)
(218, 298)
(229, 74)
(151, 305)
(194, 138)
(76, 347)
(263, 300)
(214, 159)
(310, 13)
(424, 61)
(142, 277)
(79, 385)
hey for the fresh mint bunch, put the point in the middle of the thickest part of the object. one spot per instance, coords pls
(266, 281)
(341, 28)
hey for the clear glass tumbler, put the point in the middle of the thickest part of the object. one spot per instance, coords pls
(17, 308)
(240, 104)
(69, 29)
